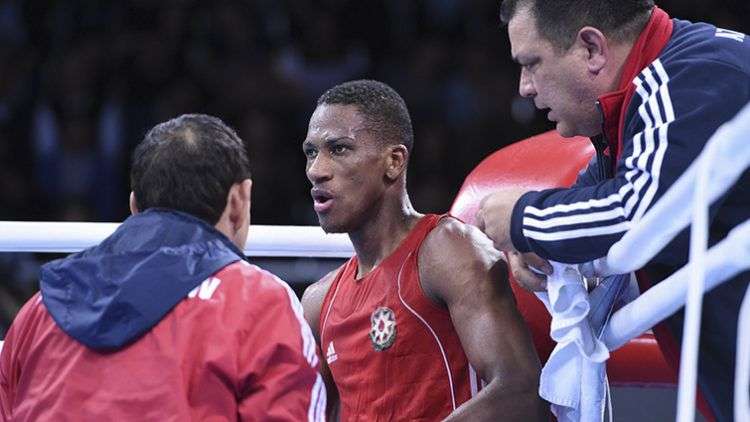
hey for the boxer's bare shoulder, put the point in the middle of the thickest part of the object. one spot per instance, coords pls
(312, 299)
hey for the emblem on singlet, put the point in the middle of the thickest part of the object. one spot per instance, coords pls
(383, 328)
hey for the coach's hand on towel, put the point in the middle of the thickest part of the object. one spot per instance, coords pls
(529, 270)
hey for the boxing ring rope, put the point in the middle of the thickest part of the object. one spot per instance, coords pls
(266, 241)
(701, 185)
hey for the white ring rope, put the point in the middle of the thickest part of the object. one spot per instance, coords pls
(724, 260)
(706, 179)
(271, 241)
(670, 215)
(667, 218)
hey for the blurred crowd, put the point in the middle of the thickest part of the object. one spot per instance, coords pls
(81, 82)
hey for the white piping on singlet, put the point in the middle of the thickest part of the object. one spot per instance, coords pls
(330, 306)
(440, 345)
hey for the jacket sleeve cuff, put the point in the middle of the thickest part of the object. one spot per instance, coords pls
(516, 223)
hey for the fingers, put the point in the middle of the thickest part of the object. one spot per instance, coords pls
(537, 262)
(494, 217)
(524, 276)
(490, 232)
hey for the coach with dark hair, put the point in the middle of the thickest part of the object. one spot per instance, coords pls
(649, 91)
(164, 320)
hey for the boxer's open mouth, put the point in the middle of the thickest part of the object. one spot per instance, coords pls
(322, 199)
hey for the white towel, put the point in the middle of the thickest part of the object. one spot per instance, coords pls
(574, 378)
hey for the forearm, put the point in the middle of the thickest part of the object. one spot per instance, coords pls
(577, 232)
(510, 402)
(666, 127)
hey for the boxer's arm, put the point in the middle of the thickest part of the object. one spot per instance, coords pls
(460, 269)
(312, 301)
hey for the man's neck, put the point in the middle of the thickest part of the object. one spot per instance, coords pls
(620, 51)
(383, 233)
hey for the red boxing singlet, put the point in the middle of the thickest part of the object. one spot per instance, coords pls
(393, 353)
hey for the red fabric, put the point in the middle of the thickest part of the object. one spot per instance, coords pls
(646, 49)
(234, 354)
(408, 380)
(539, 162)
(640, 363)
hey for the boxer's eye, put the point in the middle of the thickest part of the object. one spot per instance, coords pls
(310, 152)
(531, 65)
(338, 149)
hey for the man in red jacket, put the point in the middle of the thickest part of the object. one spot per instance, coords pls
(164, 320)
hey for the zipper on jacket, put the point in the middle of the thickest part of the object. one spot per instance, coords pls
(602, 161)
(600, 145)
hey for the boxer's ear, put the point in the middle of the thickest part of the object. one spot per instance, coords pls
(396, 161)
(595, 47)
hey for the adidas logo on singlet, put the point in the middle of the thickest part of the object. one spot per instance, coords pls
(331, 355)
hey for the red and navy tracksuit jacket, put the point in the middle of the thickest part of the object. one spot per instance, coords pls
(162, 321)
(681, 81)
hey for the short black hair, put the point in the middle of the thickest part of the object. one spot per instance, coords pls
(189, 164)
(383, 109)
(559, 21)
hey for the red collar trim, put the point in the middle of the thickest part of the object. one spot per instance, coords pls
(646, 49)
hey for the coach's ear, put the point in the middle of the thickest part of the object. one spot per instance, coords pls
(133, 205)
(596, 47)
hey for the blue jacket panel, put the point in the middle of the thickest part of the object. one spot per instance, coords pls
(109, 295)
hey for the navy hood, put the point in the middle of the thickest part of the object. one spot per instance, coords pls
(111, 294)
